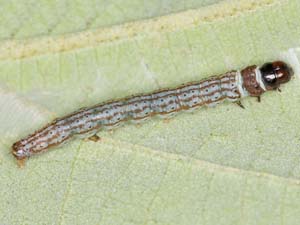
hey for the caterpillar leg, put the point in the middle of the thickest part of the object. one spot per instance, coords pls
(166, 120)
(138, 125)
(258, 98)
(21, 162)
(94, 138)
(240, 104)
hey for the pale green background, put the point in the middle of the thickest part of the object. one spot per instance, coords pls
(22, 19)
(223, 165)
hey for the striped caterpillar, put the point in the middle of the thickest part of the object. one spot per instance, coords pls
(231, 86)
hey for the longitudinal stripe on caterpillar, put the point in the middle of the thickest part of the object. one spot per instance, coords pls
(231, 86)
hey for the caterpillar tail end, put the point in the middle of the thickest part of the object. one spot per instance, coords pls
(18, 153)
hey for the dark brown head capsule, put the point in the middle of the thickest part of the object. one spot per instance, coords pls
(275, 73)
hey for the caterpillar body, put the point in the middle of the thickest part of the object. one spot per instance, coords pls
(231, 86)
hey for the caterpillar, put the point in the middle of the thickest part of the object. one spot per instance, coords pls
(86, 122)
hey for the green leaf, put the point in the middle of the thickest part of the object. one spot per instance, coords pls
(222, 165)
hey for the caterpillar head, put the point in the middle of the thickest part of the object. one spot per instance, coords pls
(275, 73)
